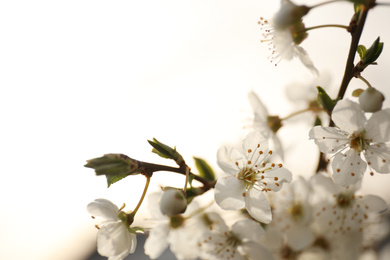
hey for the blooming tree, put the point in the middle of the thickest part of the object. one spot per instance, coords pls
(275, 213)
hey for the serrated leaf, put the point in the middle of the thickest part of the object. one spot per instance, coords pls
(165, 151)
(204, 169)
(113, 165)
(361, 50)
(112, 179)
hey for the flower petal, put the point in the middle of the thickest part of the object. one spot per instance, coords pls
(373, 203)
(378, 157)
(348, 168)
(377, 128)
(228, 193)
(258, 206)
(253, 142)
(103, 208)
(299, 236)
(305, 59)
(348, 116)
(226, 159)
(329, 139)
(114, 240)
(247, 229)
(254, 251)
(157, 241)
(275, 177)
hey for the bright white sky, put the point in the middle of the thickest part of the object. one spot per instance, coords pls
(83, 78)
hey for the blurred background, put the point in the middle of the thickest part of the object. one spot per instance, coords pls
(83, 78)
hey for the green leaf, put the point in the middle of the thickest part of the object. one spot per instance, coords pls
(113, 165)
(373, 53)
(325, 101)
(361, 50)
(204, 169)
(112, 179)
(165, 151)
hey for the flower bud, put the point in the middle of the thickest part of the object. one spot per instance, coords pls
(371, 100)
(113, 165)
(173, 202)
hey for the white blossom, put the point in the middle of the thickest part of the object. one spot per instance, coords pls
(292, 214)
(284, 46)
(249, 176)
(239, 243)
(353, 136)
(115, 239)
(179, 232)
(263, 123)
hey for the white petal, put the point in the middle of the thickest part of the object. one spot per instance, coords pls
(348, 168)
(157, 242)
(115, 240)
(258, 107)
(298, 237)
(329, 139)
(305, 59)
(348, 116)
(373, 204)
(103, 208)
(377, 128)
(258, 206)
(154, 205)
(183, 242)
(378, 157)
(228, 193)
(226, 159)
(255, 251)
(255, 141)
(276, 177)
(284, 43)
(248, 230)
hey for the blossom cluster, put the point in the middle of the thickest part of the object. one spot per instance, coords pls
(259, 208)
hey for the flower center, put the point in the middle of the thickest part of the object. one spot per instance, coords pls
(248, 175)
(296, 211)
(358, 142)
(176, 221)
(344, 200)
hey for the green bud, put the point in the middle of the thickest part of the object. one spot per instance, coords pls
(165, 151)
(369, 56)
(113, 165)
